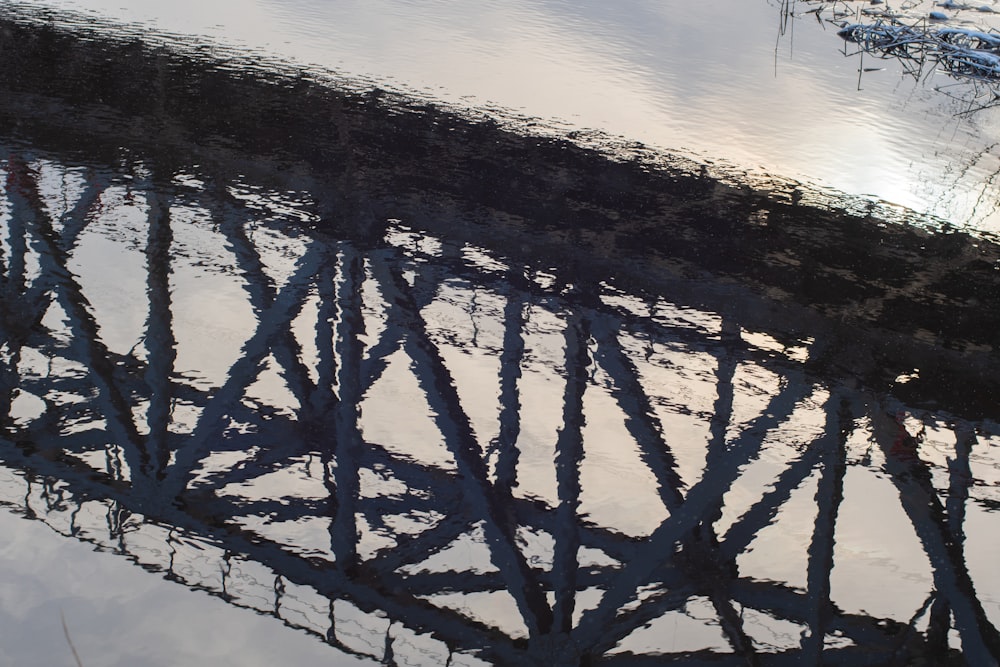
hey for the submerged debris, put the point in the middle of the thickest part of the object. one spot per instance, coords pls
(882, 36)
(962, 52)
(969, 55)
(924, 39)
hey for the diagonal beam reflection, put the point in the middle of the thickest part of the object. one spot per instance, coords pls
(439, 388)
(271, 325)
(911, 476)
(701, 503)
(640, 419)
(53, 259)
(232, 218)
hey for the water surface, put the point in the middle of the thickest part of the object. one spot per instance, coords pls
(762, 86)
(360, 378)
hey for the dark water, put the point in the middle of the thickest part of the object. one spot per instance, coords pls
(297, 371)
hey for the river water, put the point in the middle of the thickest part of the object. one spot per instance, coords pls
(321, 377)
(740, 83)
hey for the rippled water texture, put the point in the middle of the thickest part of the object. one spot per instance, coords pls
(739, 83)
(350, 377)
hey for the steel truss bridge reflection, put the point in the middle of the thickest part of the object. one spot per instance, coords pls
(416, 450)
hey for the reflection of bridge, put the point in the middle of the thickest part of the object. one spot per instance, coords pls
(302, 514)
(403, 441)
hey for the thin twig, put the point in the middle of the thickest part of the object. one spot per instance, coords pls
(72, 648)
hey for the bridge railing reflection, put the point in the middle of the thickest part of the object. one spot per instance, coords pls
(413, 436)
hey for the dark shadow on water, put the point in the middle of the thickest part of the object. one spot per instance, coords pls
(441, 323)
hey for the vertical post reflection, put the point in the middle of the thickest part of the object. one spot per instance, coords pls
(160, 342)
(829, 493)
(347, 411)
(511, 359)
(568, 457)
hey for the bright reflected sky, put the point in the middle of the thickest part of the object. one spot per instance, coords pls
(713, 79)
(117, 615)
